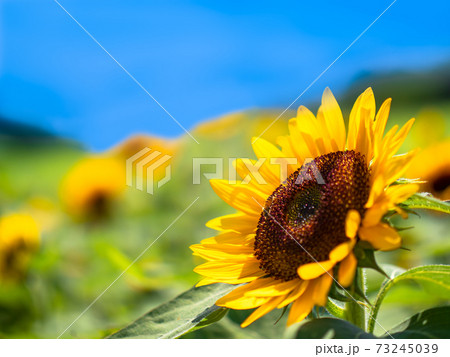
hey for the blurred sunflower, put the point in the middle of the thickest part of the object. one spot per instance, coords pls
(432, 165)
(289, 240)
(91, 186)
(19, 238)
(136, 143)
(133, 145)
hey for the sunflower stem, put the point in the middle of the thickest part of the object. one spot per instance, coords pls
(355, 309)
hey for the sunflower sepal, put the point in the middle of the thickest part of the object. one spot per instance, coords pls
(281, 315)
(387, 219)
(334, 309)
(398, 210)
(400, 229)
(405, 181)
(338, 293)
(365, 254)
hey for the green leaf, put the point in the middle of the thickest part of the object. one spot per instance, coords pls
(426, 201)
(434, 278)
(432, 323)
(331, 328)
(180, 315)
(211, 318)
(224, 328)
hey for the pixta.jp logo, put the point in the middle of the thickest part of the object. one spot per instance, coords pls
(148, 165)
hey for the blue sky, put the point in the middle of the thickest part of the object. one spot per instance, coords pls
(199, 59)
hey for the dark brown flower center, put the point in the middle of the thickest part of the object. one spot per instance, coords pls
(441, 182)
(98, 206)
(309, 210)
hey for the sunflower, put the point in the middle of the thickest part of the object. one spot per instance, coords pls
(136, 143)
(91, 186)
(432, 165)
(295, 231)
(19, 238)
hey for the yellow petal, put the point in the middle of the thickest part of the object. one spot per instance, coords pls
(342, 250)
(262, 310)
(305, 130)
(387, 200)
(222, 251)
(380, 123)
(352, 222)
(296, 143)
(400, 193)
(302, 306)
(234, 272)
(266, 150)
(321, 289)
(396, 166)
(231, 238)
(238, 299)
(239, 222)
(243, 303)
(374, 214)
(347, 270)
(241, 197)
(400, 137)
(376, 190)
(277, 288)
(314, 270)
(360, 130)
(323, 145)
(296, 293)
(257, 174)
(206, 281)
(353, 124)
(381, 236)
(287, 148)
(368, 103)
(304, 115)
(333, 118)
(314, 151)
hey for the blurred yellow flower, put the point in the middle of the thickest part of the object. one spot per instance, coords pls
(220, 128)
(429, 128)
(19, 238)
(136, 143)
(433, 166)
(91, 186)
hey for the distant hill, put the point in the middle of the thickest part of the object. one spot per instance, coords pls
(418, 87)
(25, 131)
(12, 132)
